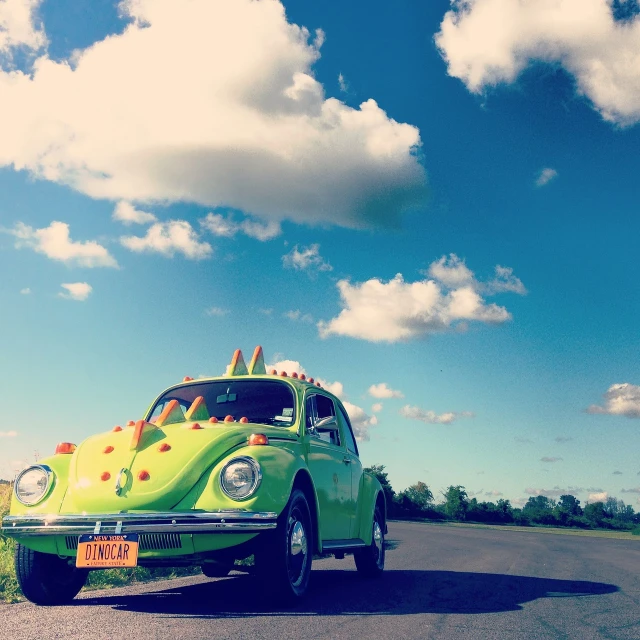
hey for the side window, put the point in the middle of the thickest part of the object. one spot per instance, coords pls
(348, 433)
(321, 407)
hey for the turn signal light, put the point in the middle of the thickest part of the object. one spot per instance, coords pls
(213, 419)
(196, 426)
(244, 419)
(131, 423)
(108, 449)
(258, 438)
(117, 428)
(105, 476)
(164, 447)
(229, 419)
(143, 475)
(273, 372)
(283, 374)
(302, 376)
(65, 447)
(187, 379)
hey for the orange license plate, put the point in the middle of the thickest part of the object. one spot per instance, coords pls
(98, 551)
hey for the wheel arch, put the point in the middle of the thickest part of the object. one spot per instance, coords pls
(304, 482)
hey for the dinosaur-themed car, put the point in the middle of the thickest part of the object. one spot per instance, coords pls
(218, 469)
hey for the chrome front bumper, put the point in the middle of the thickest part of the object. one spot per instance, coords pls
(165, 522)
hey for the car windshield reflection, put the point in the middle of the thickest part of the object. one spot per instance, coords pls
(260, 401)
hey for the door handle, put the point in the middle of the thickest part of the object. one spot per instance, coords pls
(346, 460)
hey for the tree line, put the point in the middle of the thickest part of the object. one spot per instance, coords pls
(418, 501)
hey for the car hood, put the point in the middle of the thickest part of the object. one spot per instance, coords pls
(155, 467)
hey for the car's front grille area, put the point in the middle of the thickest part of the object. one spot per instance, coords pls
(156, 541)
(71, 542)
(148, 541)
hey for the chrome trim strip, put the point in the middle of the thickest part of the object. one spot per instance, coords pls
(331, 545)
(162, 522)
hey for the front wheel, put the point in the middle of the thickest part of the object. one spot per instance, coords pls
(370, 560)
(46, 578)
(283, 559)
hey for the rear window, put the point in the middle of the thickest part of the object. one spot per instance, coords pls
(260, 401)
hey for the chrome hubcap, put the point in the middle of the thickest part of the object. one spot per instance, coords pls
(298, 558)
(298, 539)
(378, 540)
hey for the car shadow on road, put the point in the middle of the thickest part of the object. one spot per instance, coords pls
(345, 593)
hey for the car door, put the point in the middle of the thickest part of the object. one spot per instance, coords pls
(356, 469)
(326, 456)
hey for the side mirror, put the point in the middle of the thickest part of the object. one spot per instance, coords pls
(328, 424)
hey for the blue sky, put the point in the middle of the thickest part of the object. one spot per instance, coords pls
(430, 206)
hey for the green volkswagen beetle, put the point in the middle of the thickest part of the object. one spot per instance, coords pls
(218, 469)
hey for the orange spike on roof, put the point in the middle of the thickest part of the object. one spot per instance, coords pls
(139, 431)
(171, 414)
(198, 410)
(237, 366)
(256, 366)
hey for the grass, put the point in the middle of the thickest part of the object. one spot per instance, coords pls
(587, 533)
(9, 589)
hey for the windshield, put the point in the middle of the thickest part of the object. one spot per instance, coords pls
(260, 401)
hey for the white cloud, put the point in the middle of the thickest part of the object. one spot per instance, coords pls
(227, 227)
(18, 26)
(382, 390)
(54, 242)
(503, 282)
(634, 490)
(396, 310)
(563, 439)
(126, 213)
(451, 271)
(360, 421)
(290, 366)
(494, 494)
(620, 400)
(545, 176)
(337, 388)
(431, 417)
(8, 434)
(26, 291)
(344, 85)
(488, 42)
(169, 238)
(550, 459)
(556, 492)
(298, 316)
(216, 312)
(76, 291)
(213, 103)
(376, 407)
(308, 258)
(598, 497)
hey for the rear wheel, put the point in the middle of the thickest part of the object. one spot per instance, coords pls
(283, 559)
(46, 578)
(370, 560)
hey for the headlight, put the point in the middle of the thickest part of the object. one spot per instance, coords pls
(240, 478)
(33, 484)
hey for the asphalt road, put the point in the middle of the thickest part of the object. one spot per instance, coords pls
(441, 582)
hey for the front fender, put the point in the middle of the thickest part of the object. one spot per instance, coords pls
(370, 492)
(59, 464)
(279, 466)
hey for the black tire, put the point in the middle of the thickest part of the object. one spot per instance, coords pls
(47, 579)
(283, 557)
(370, 560)
(217, 569)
